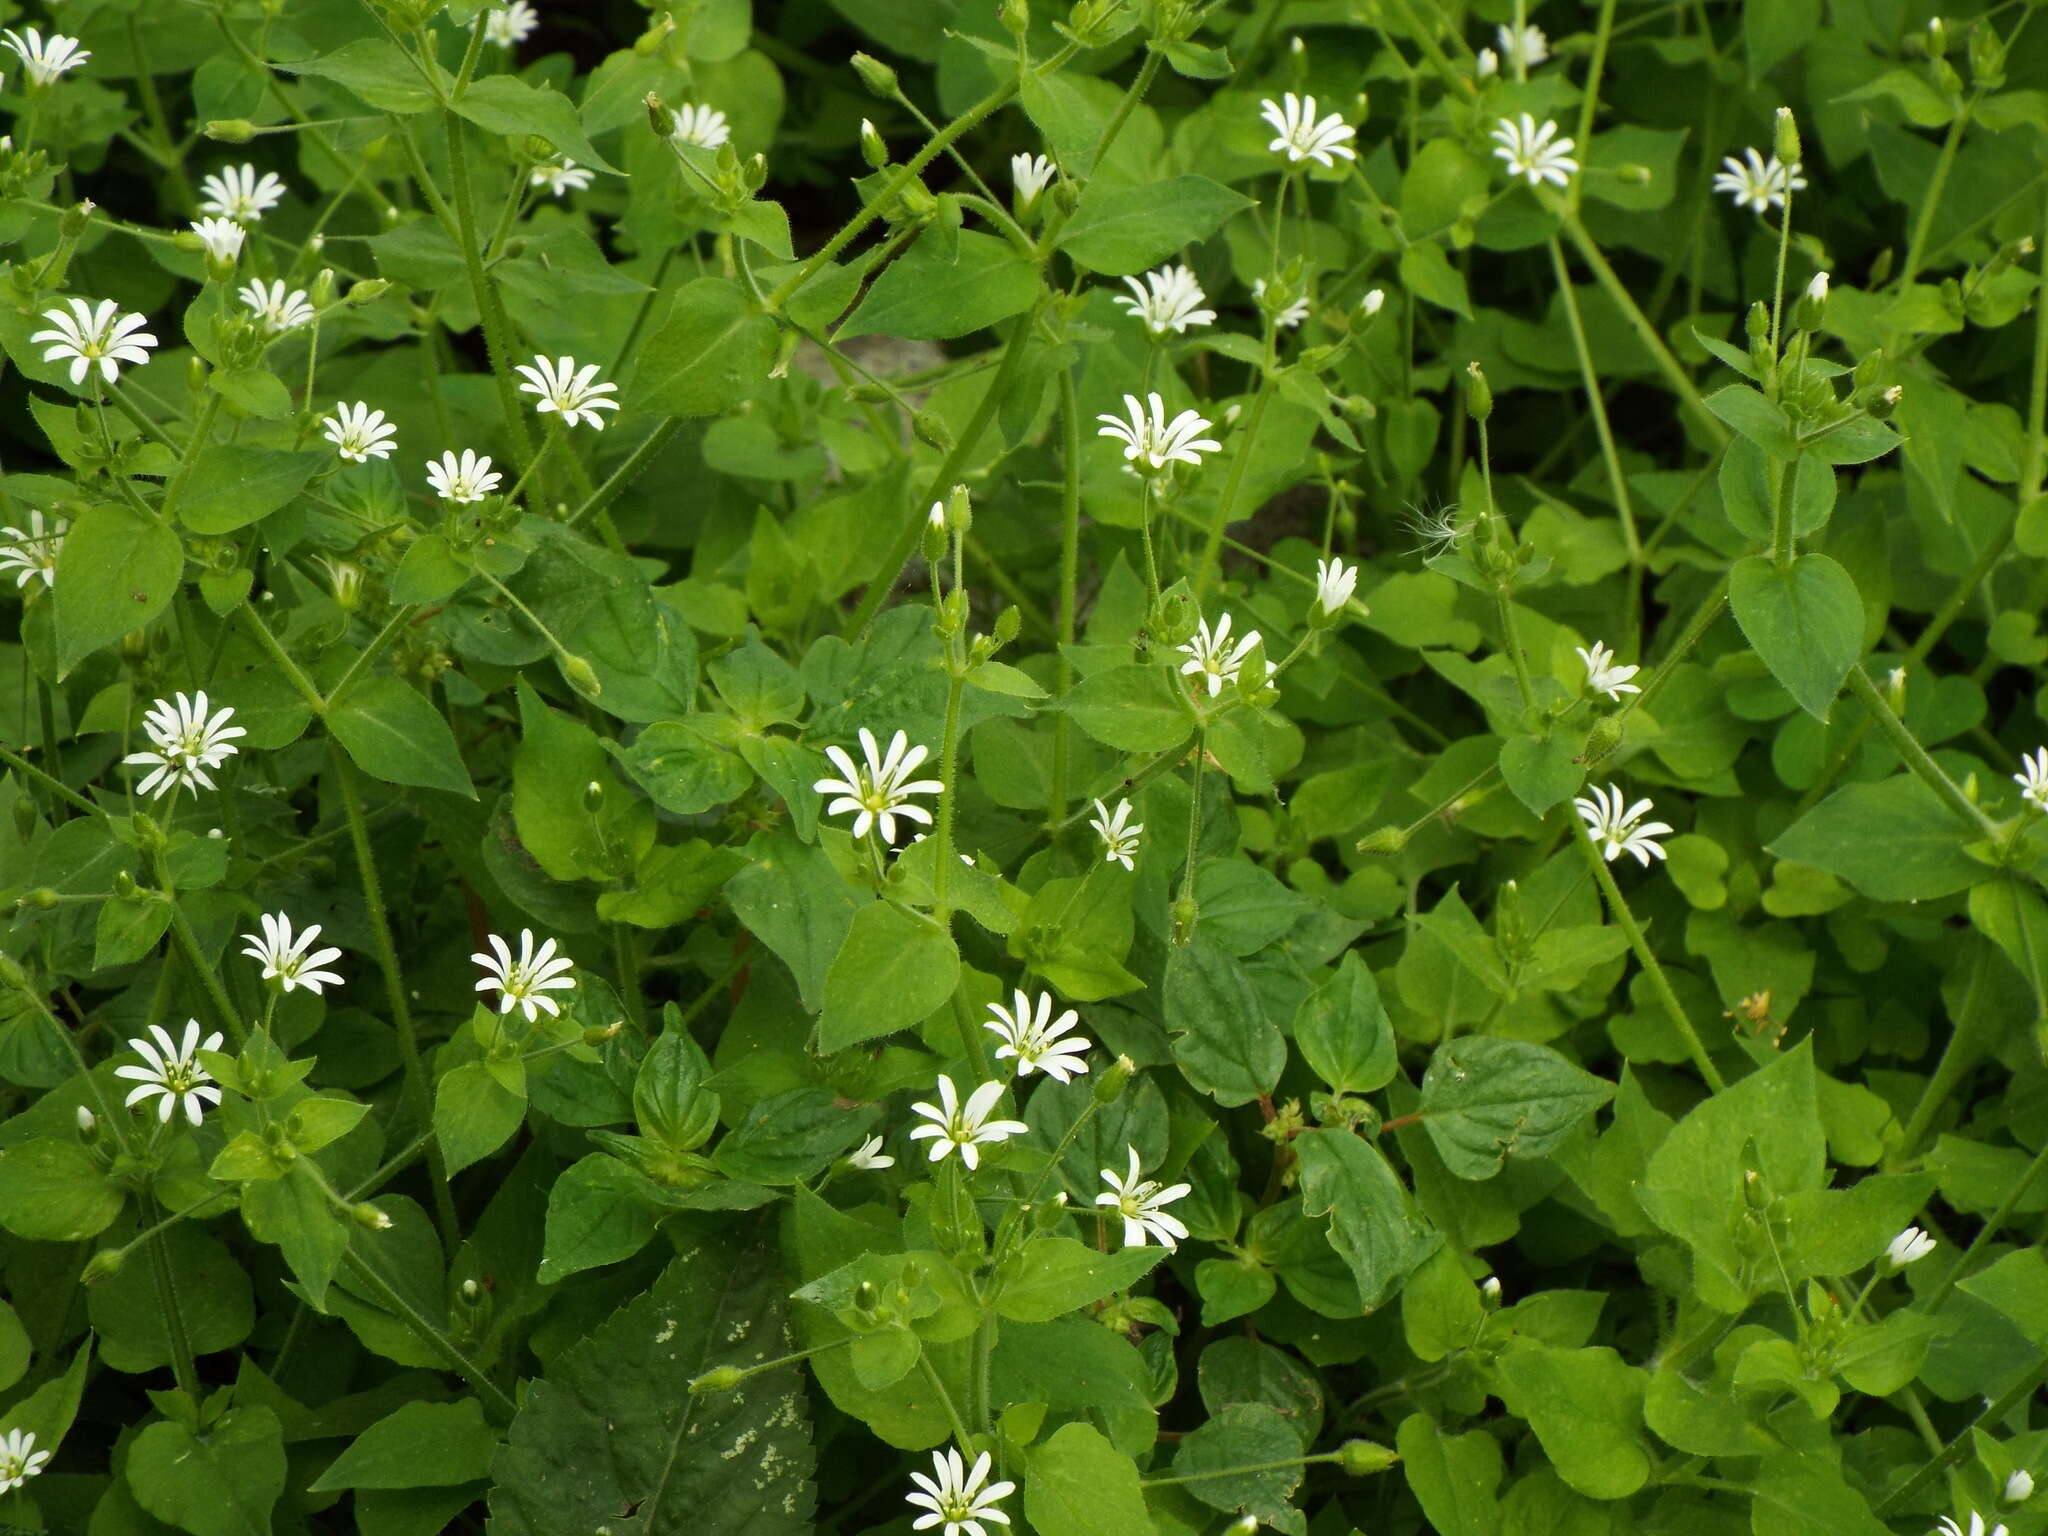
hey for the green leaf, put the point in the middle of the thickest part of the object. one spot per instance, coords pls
(1806, 622)
(1225, 1044)
(1080, 1485)
(116, 572)
(792, 898)
(1343, 1030)
(507, 104)
(681, 769)
(555, 762)
(1373, 1222)
(1756, 418)
(1131, 708)
(233, 486)
(474, 1114)
(422, 1445)
(599, 1212)
(1776, 29)
(222, 1483)
(1586, 1408)
(612, 1426)
(216, 1306)
(1892, 840)
(1055, 1276)
(1119, 230)
(52, 1191)
(712, 351)
(377, 70)
(392, 733)
(1427, 272)
(295, 1213)
(670, 1099)
(1229, 1464)
(1485, 1099)
(1453, 1477)
(894, 969)
(791, 1136)
(927, 294)
(1543, 770)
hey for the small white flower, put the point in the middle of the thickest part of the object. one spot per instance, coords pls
(1173, 303)
(1031, 175)
(1299, 136)
(173, 1075)
(1039, 1042)
(510, 24)
(701, 125)
(2019, 1487)
(955, 1497)
(1486, 65)
(344, 580)
(1374, 301)
(1617, 826)
(222, 237)
(870, 1156)
(526, 982)
(1141, 1202)
(1528, 50)
(571, 392)
(879, 792)
(1212, 660)
(1602, 675)
(44, 58)
(278, 309)
(469, 478)
(33, 551)
(1756, 183)
(559, 177)
(1151, 440)
(19, 1459)
(1948, 1527)
(291, 961)
(1909, 1247)
(963, 1128)
(359, 433)
(89, 336)
(188, 741)
(1335, 582)
(1118, 832)
(1289, 317)
(236, 192)
(1534, 153)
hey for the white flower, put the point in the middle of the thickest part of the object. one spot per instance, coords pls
(278, 309)
(344, 580)
(44, 58)
(869, 1155)
(1612, 822)
(704, 126)
(188, 742)
(1909, 1247)
(560, 177)
(566, 389)
(87, 336)
(1141, 1202)
(1118, 833)
(963, 1128)
(2019, 1487)
(286, 959)
(469, 478)
(1153, 441)
(33, 552)
(1031, 175)
(1040, 1042)
(1173, 304)
(1817, 290)
(955, 1496)
(1535, 154)
(510, 24)
(235, 192)
(879, 792)
(359, 433)
(1756, 183)
(1527, 50)
(1602, 675)
(1485, 65)
(222, 237)
(19, 1459)
(2034, 782)
(1948, 1527)
(1212, 660)
(526, 982)
(1299, 136)
(173, 1074)
(1335, 582)
(937, 516)
(1288, 317)
(1374, 301)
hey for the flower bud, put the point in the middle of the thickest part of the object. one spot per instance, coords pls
(593, 797)
(470, 1292)
(1109, 1087)
(1785, 139)
(24, 818)
(1182, 916)
(367, 291)
(103, 1265)
(231, 130)
(1754, 1195)
(659, 118)
(1049, 1215)
(1243, 1525)
(649, 42)
(1602, 739)
(2019, 1487)
(597, 1034)
(582, 675)
(721, 1378)
(1478, 394)
(1937, 38)
(932, 431)
(1362, 1458)
(1987, 58)
(367, 1215)
(1387, 841)
(1489, 1291)
(1374, 301)
(875, 75)
(88, 1124)
(872, 149)
(42, 898)
(1812, 306)
(1015, 16)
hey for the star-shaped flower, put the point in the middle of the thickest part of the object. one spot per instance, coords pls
(33, 551)
(43, 59)
(955, 1498)
(467, 479)
(1211, 659)
(1151, 441)
(236, 192)
(878, 791)
(1756, 183)
(1169, 299)
(88, 337)
(188, 740)
(1300, 135)
(559, 177)
(1618, 827)
(1602, 675)
(19, 1459)
(1038, 1041)
(1118, 833)
(510, 24)
(2033, 782)
(291, 961)
(221, 238)
(1335, 582)
(526, 982)
(173, 1075)
(567, 390)
(1142, 1202)
(359, 433)
(963, 1128)
(704, 126)
(1532, 152)
(277, 308)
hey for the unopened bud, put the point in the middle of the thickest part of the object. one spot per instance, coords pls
(934, 535)
(1478, 394)
(659, 118)
(1387, 841)
(367, 291)
(582, 676)
(1603, 738)
(42, 898)
(367, 1215)
(1109, 1087)
(1362, 1458)
(1812, 307)
(537, 149)
(11, 973)
(231, 130)
(719, 1379)
(1182, 916)
(1754, 1195)
(88, 1123)
(872, 149)
(959, 510)
(103, 1265)
(650, 41)
(1785, 139)
(1374, 301)
(1008, 623)
(1049, 1215)
(1887, 402)
(875, 75)
(597, 1034)
(470, 1292)
(593, 797)
(1937, 38)
(1489, 1290)
(1015, 16)
(2019, 1487)
(931, 431)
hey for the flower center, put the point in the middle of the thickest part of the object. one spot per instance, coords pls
(181, 1077)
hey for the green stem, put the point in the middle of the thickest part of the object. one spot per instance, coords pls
(1993, 1413)
(182, 1369)
(1916, 757)
(502, 1407)
(62, 791)
(1617, 480)
(1781, 513)
(1147, 73)
(1070, 566)
(491, 315)
(1673, 371)
(1262, 1466)
(345, 777)
(1659, 982)
(188, 945)
(278, 654)
(1212, 545)
(626, 473)
(627, 962)
(1992, 1224)
(1930, 202)
(938, 1386)
(371, 652)
(1590, 103)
